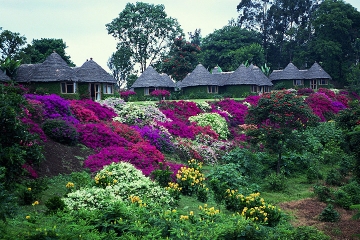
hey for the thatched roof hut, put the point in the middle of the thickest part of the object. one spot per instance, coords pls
(151, 78)
(291, 72)
(90, 71)
(200, 76)
(316, 72)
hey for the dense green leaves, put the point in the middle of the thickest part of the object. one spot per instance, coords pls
(146, 30)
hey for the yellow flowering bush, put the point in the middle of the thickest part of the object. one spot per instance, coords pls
(174, 189)
(105, 178)
(190, 178)
(252, 207)
(208, 213)
(137, 200)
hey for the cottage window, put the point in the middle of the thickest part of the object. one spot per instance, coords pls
(298, 82)
(68, 87)
(213, 89)
(108, 89)
(322, 82)
(254, 88)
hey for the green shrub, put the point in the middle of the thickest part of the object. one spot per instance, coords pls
(308, 233)
(162, 175)
(323, 193)
(333, 177)
(30, 190)
(60, 131)
(54, 204)
(313, 174)
(276, 181)
(215, 121)
(353, 190)
(342, 199)
(82, 179)
(329, 214)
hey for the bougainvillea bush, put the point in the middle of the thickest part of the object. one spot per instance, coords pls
(160, 139)
(236, 110)
(102, 112)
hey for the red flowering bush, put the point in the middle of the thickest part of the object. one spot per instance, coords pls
(327, 92)
(83, 114)
(125, 131)
(180, 110)
(99, 135)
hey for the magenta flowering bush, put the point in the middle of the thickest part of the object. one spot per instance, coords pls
(142, 155)
(129, 133)
(236, 109)
(180, 110)
(54, 107)
(304, 91)
(252, 99)
(322, 105)
(160, 94)
(331, 94)
(99, 135)
(126, 94)
(103, 112)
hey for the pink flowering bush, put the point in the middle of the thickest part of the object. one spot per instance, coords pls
(161, 94)
(99, 135)
(180, 110)
(126, 94)
(304, 91)
(331, 94)
(252, 100)
(321, 105)
(103, 112)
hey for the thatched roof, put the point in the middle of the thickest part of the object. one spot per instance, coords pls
(25, 71)
(316, 72)
(291, 72)
(53, 69)
(260, 78)
(199, 77)
(90, 71)
(4, 77)
(151, 78)
(241, 76)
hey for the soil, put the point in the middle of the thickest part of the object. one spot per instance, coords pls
(62, 159)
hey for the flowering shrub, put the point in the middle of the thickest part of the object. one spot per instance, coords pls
(161, 140)
(321, 104)
(204, 106)
(180, 110)
(126, 94)
(252, 100)
(54, 107)
(60, 131)
(131, 113)
(34, 127)
(237, 110)
(128, 182)
(253, 207)
(102, 112)
(215, 121)
(161, 94)
(83, 114)
(328, 92)
(35, 110)
(125, 131)
(190, 178)
(99, 135)
(142, 155)
(305, 91)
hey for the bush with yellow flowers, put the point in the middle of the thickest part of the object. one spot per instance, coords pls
(105, 178)
(208, 213)
(174, 189)
(137, 200)
(190, 178)
(252, 207)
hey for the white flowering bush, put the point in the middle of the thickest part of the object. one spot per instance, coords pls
(126, 181)
(131, 113)
(215, 121)
(203, 106)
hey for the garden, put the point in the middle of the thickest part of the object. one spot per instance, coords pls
(283, 165)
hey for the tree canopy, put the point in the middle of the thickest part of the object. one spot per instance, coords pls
(146, 30)
(10, 44)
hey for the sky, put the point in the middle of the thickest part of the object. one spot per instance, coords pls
(81, 23)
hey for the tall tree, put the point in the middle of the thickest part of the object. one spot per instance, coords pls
(10, 44)
(223, 46)
(181, 60)
(40, 49)
(120, 64)
(336, 30)
(195, 38)
(146, 30)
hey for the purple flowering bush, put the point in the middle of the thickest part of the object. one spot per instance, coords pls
(60, 131)
(236, 110)
(54, 107)
(103, 112)
(161, 140)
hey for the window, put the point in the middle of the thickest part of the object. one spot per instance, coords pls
(254, 88)
(68, 87)
(108, 89)
(322, 82)
(213, 89)
(313, 84)
(147, 91)
(298, 82)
